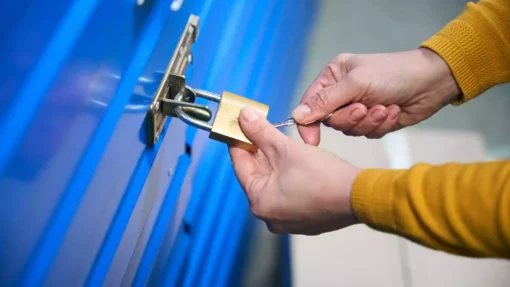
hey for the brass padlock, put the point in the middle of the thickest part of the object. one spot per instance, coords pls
(225, 127)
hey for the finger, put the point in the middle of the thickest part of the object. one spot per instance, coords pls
(263, 134)
(326, 100)
(347, 118)
(388, 124)
(275, 227)
(245, 166)
(376, 116)
(330, 75)
(311, 134)
(327, 77)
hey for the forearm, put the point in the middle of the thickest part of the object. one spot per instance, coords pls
(458, 208)
(476, 46)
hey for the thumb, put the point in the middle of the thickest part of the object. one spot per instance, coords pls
(316, 106)
(262, 133)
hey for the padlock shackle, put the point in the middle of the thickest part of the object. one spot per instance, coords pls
(207, 95)
(181, 114)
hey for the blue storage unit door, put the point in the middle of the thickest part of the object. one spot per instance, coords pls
(84, 199)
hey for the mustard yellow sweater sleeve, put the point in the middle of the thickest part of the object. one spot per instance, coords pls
(458, 208)
(476, 46)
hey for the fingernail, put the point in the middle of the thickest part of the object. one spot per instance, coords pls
(301, 112)
(357, 114)
(380, 115)
(249, 115)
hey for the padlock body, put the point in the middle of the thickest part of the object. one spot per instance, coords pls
(226, 126)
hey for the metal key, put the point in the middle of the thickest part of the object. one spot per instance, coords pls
(291, 121)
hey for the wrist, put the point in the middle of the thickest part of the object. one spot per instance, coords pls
(352, 175)
(440, 76)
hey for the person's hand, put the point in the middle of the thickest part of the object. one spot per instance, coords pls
(293, 187)
(381, 93)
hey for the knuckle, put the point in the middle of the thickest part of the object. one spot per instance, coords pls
(357, 80)
(358, 131)
(331, 72)
(320, 99)
(329, 123)
(342, 124)
(343, 58)
(351, 133)
(260, 209)
(254, 206)
(329, 75)
(311, 232)
(345, 61)
(273, 228)
(257, 210)
(259, 131)
(374, 136)
(341, 127)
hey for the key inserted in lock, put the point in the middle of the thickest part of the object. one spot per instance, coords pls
(225, 127)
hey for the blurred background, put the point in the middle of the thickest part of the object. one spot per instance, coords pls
(475, 131)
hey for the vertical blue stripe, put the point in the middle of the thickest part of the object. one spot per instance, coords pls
(175, 264)
(162, 222)
(15, 123)
(202, 234)
(226, 242)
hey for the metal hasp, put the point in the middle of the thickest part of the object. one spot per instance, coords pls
(173, 82)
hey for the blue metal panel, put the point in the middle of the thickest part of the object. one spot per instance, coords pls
(83, 201)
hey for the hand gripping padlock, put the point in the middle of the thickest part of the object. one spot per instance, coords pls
(225, 127)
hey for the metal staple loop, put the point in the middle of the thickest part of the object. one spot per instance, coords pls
(199, 112)
(190, 120)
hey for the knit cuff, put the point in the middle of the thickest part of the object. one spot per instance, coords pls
(372, 198)
(463, 50)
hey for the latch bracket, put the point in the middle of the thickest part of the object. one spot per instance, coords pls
(173, 83)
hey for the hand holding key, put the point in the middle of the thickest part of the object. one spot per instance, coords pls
(292, 121)
(381, 93)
